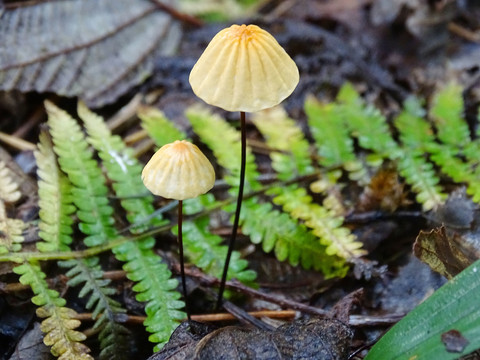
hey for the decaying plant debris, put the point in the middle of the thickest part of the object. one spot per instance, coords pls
(373, 160)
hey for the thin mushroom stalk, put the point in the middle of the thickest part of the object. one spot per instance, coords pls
(179, 171)
(243, 69)
(236, 220)
(180, 253)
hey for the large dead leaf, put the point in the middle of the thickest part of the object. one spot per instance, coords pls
(304, 339)
(93, 49)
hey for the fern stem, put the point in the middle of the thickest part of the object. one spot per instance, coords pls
(236, 220)
(182, 263)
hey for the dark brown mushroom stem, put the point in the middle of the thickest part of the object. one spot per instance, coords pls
(180, 250)
(236, 220)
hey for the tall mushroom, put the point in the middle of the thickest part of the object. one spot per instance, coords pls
(179, 171)
(243, 69)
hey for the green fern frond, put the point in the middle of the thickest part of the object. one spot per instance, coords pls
(8, 187)
(11, 232)
(59, 324)
(325, 225)
(224, 141)
(290, 241)
(366, 123)
(335, 147)
(447, 115)
(205, 249)
(420, 174)
(89, 191)
(113, 336)
(416, 134)
(90, 197)
(414, 131)
(154, 284)
(281, 133)
(158, 127)
(206, 252)
(122, 167)
(55, 200)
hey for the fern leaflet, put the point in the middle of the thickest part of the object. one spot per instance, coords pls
(335, 147)
(290, 241)
(224, 141)
(154, 282)
(55, 200)
(446, 112)
(413, 166)
(59, 324)
(11, 232)
(89, 191)
(325, 225)
(160, 129)
(8, 188)
(366, 123)
(105, 310)
(292, 157)
(90, 196)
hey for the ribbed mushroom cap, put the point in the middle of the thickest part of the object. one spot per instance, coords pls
(178, 171)
(244, 69)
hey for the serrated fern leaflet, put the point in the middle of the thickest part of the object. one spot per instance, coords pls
(154, 282)
(90, 197)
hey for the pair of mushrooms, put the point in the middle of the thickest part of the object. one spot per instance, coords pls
(242, 69)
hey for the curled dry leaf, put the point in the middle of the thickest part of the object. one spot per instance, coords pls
(447, 254)
(304, 339)
(96, 50)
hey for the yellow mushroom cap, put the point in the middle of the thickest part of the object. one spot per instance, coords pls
(178, 170)
(244, 69)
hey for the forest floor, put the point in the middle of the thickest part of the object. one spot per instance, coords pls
(389, 50)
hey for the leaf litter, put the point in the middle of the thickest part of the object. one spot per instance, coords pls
(402, 50)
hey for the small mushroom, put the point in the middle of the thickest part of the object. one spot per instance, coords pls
(243, 69)
(179, 171)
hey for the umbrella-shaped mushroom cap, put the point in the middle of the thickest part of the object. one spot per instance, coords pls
(178, 171)
(244, 69)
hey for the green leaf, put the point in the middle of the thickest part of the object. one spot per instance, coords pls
(326, 225)
(55, 200)
(153, 280)
(282, 134)
(59, 324)
(224, 140)
(113, 336)
(335, 146)
(90, 190)
(366, 123)
(289, 240)
(447, 114)
(419, 335)
(160, 129)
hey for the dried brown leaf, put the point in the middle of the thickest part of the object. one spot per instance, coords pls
(96, 50)
(384, 192)
(302, 339)
(443, 252)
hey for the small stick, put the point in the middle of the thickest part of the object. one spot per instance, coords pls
(17, 142)
(177, 14)
(137, 319)
(136, 136)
